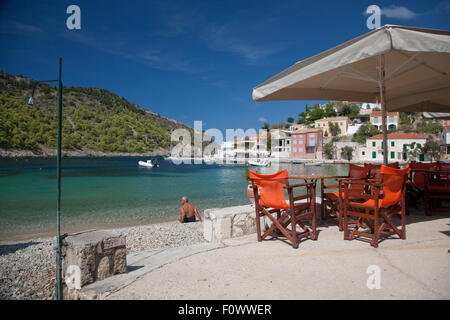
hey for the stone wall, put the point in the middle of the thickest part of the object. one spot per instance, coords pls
(91, 256)
(224, 223)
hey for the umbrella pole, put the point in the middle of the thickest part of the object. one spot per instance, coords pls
(381, 86)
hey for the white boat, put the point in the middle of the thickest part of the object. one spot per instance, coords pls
(313, 163)
(259, 163)
(149, 163)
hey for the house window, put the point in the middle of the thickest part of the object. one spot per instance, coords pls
(392, 143)
(363, 153)
(391, 119)
(374, 154)
(312, 142)
(300, 141)
(295, 149)
(374, 144)
(295, 141)
(392, 155)
(375, 119)
(310, 149)
(300, 149)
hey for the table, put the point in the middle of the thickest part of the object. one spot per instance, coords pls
(314, 178)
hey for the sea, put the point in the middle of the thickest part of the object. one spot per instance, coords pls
(113, 192)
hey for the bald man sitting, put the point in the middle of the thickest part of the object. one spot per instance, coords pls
(188, 211)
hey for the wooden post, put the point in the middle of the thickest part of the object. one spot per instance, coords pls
(382, 89)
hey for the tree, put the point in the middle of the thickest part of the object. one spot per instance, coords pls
(266, 126)
(415, 150)
(347, 153)
(431, 148)
(281, 125)
(330, 150)
(329, 110)
(335, 130)
(316, 113)
(290, 120)
(430, 126)
(349, 110)
(366, 130)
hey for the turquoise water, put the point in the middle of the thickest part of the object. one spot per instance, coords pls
(112, 192)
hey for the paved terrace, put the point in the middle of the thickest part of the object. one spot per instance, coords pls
(329, 268)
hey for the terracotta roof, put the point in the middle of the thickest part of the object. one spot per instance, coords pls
(394, 136)
(378, 113)
(333, 118)
(306, 130)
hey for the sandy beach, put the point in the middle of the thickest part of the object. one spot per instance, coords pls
(27, 269)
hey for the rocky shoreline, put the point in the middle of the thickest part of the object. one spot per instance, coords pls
(27, 269)
(46, 152)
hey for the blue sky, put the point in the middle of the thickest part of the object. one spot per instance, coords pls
(190, 60)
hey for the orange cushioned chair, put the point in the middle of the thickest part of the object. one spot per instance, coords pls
(269, 199)
(374, 170)
(386, 198)
(332, 201)
(416, 183)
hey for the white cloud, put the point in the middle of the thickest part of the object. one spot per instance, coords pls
(16, 27)
(226, 38)
(262, 119)
(398, 12)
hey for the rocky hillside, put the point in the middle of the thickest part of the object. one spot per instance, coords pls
(95, 122)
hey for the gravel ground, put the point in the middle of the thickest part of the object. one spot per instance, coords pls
(27, 269)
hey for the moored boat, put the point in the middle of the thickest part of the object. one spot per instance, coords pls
(149, 163)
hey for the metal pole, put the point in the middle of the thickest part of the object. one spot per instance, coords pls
(58, 205)
(382, 88)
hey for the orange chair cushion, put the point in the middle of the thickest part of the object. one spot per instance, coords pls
(270, 188)
(393, 180)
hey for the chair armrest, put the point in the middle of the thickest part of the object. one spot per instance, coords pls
(309, 184)
(365, 183)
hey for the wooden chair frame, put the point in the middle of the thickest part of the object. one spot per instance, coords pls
(333, 207)
(292, 216)
(435, 179)
(374, 214)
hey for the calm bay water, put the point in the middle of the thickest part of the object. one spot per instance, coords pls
(113, 192)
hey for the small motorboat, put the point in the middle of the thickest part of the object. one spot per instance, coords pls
(318, 164)
(149, 163)
(259, 163)
(297, 162)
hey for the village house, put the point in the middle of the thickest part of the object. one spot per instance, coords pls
(399, 145)
(307, 144)
(254, 146)
(392, 119)
(280, 143)
(294, 127)
(324, 125)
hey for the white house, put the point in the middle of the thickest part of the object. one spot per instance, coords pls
(398, 146)
(280, 143)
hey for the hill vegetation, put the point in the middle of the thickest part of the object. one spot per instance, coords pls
(93, 119)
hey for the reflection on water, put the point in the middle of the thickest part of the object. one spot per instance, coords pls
(116, 191)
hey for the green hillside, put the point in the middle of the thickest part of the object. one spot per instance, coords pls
(94, 119)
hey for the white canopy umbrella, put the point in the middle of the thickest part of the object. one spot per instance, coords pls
(436, 115)
(405, 68)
